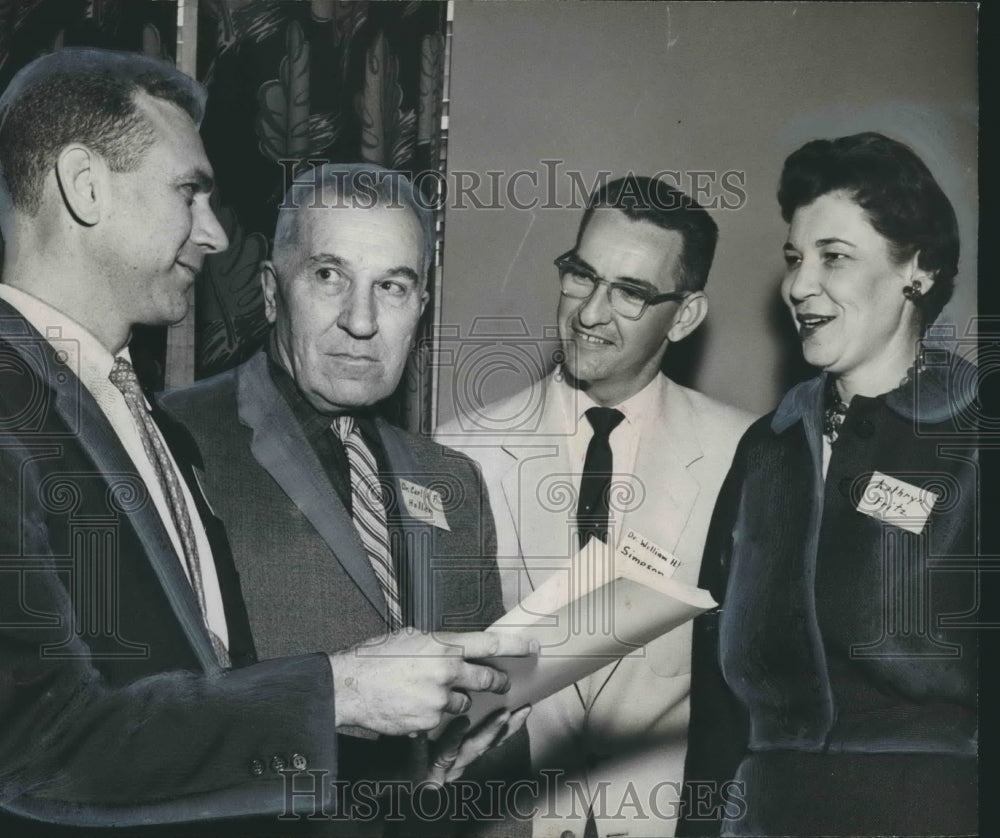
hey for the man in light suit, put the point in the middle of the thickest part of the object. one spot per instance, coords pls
(130, 695)
(345, 290)
(631, 286)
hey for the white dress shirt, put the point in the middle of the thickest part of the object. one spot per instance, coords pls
(92, 363)
(624, 439)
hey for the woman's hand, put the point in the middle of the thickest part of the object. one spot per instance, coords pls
(458, 746)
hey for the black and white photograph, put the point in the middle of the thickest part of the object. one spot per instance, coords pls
(509, 419)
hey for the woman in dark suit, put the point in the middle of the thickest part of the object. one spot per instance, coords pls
(834, 692)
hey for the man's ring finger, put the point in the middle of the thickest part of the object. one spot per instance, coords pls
(445, 762)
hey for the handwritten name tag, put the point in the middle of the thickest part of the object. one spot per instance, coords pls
(897, 502)
(424, 504)
(639, 557)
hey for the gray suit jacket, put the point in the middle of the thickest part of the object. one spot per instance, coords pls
(307, 582)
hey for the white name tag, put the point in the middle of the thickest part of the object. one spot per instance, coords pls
(639, 558)
(424, 504)
(896, 502)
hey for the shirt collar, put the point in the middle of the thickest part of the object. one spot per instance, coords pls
(79, 349)
(944, 388)
(313, 422)
(635, 408)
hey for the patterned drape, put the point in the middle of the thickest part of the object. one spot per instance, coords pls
(288, 82)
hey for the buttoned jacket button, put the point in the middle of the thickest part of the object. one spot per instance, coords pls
(277, 763)
(256, 767)
(865, 429)
(299, 762)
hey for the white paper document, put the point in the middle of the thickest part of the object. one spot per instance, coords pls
(598, 607)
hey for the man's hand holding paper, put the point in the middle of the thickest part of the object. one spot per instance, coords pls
(597, 607)
(406, 681)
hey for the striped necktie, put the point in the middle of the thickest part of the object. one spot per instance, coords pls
(369, 512)
(124, 378)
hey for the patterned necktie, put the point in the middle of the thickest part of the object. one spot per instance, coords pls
(369, 512)
(592, 507)
(124, 378)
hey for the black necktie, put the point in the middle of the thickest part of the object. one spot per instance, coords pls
(592, 508)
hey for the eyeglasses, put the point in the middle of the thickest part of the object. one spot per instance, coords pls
(626, 298)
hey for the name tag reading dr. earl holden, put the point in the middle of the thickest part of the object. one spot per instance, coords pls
(896, 502)
(424, 504)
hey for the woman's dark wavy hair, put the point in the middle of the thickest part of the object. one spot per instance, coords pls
(903, 201)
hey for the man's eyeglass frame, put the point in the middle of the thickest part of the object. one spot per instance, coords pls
(568, 261)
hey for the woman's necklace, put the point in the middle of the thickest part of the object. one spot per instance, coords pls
(834, 409)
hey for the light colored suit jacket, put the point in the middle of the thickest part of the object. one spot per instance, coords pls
(620, 734)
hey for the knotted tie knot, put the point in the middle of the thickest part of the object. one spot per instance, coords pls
(604, 420)
(595, 483)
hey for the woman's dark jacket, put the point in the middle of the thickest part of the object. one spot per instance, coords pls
(846, 699)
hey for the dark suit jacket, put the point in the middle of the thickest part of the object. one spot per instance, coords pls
(113, 709)
(307, 581)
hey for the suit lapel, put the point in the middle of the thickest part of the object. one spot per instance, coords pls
(242, 651)
(284, 452)
(667, 449)
(540, 491)
(90, 427)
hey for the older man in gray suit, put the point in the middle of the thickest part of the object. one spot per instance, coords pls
(344, 527)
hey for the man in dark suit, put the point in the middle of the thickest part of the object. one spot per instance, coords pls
(345, 290)
(129, 691)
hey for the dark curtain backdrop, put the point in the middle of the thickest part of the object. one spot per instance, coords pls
(288, 82)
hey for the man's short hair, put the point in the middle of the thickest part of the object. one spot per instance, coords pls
(86, 96)
(334, 186)
(657, 202)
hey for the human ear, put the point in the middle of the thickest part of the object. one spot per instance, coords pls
(80, 174)
(691, 312)
(918, 281)
(269, 285)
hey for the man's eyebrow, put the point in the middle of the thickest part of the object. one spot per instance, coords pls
(577, 262)
(622, 280)
(639, 283)
(341, 262)
(200, 178)
(404, 270)
(329, 259)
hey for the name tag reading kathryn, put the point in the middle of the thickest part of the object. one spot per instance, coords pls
(424, 504)
(897, 502)
(638, 557)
